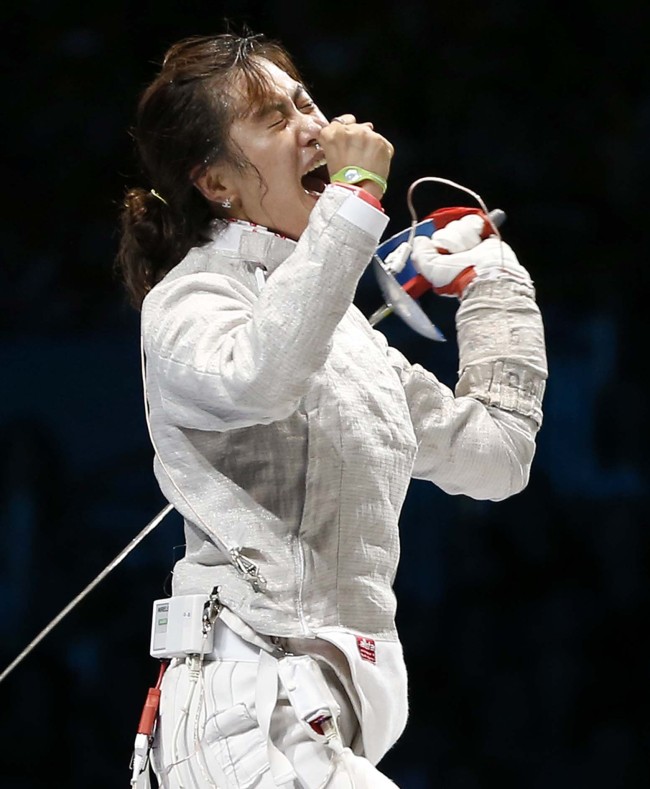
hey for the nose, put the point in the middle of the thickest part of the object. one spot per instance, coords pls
(310, 128)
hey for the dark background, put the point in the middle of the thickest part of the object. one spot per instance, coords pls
(524, 622)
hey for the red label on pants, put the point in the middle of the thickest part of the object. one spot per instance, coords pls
(366, 647)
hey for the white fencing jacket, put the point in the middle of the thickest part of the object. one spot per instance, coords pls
(286, 432)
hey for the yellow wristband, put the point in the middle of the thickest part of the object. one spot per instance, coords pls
(351, 174)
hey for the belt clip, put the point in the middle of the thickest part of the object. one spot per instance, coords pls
(211, 611)
(248, 569)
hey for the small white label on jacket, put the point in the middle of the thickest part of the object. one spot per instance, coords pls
(260, 277)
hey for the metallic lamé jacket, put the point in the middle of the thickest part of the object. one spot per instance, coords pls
(287, 430)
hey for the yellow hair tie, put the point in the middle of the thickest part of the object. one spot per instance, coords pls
(158, 197)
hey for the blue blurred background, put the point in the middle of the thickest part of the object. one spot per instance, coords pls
(524, 622)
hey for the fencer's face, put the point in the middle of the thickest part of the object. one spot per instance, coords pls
(277, 187)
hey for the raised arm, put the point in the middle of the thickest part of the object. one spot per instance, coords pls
(480, 440)
(227, 355)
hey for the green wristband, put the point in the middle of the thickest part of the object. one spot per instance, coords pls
(351, 174)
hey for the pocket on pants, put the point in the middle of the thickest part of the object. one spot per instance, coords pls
(234, 739)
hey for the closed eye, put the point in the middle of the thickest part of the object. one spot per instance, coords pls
(305, 106)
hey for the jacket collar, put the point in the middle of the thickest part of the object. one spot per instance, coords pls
(252, 243)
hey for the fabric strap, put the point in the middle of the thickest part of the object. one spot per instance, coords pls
(266, 696)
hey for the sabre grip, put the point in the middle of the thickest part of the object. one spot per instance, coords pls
(418, 285)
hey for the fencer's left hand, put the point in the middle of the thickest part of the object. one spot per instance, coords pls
(455, 255)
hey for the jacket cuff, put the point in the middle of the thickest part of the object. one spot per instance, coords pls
(360, 212)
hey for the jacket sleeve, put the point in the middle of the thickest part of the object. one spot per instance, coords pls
(480, 440)
(224, 355)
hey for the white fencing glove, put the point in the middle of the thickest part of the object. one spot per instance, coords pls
(455, 255)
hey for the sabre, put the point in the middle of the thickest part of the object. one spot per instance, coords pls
(400, 296)
(97, 580)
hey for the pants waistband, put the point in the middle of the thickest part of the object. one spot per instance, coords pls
(228, 645)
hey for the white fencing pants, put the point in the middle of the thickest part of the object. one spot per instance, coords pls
(220, 738)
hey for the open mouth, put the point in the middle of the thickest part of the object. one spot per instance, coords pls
(315, 181)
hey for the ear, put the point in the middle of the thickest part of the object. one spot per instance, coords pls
(213, 184)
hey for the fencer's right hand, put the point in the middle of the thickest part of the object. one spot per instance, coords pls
(346, 142)
(455, 255)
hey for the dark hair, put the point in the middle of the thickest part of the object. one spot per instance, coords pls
(182, 127)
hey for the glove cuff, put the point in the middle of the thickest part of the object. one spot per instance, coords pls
(458, 284)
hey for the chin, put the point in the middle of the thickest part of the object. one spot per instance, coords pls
(299, 221)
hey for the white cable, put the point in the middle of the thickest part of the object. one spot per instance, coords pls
(447, 182)
(194, 671)
(176, 758)
(192, 748)
(98, 579)
(198, 741)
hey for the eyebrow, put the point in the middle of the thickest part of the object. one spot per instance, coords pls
(280, 104)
